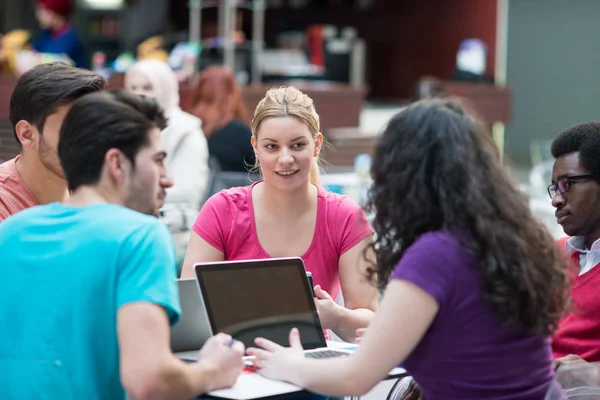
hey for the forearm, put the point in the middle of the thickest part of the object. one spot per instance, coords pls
(176, 380)
(335, 377)
(348, 321)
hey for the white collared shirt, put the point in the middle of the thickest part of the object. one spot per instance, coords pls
(588, 259)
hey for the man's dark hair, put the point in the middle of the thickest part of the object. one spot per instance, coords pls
(44, 88)
(583, 138)
(102, 121)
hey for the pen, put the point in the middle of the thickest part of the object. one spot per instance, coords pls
(230, 343)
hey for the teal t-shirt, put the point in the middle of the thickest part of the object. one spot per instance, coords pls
(65, 273)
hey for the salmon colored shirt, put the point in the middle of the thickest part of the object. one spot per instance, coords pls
(15, 196)
(227, 223)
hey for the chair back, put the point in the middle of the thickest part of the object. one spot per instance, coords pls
(220, 180)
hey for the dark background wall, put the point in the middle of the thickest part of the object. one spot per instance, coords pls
(405, 38)
(552, 65)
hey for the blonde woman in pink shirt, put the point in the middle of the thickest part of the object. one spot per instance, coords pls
(288, 214)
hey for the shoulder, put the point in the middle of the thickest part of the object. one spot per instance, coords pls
(435, 262)
(113, 220)
(439, 251)
(131, 229)
(237, 197)
(134, 220)
(70, 34)
(436, 243)
(342, 206)
(562, 243)
(7, 170)
(186, 118)
(44, 34)
(236, 127)
(13, 219)
(182, 123)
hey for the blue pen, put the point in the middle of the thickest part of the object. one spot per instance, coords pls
(230, 343)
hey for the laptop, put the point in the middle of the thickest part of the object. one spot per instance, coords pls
(193, 328)
(262, 298)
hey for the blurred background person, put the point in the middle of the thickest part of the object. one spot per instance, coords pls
(428, 87)
(187, 151)
(58, 36)
(217, 101)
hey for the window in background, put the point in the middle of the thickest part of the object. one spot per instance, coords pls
(102, 4)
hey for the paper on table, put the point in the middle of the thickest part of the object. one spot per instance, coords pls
(254, 386)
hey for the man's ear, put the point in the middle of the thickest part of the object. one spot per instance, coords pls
(116, 165)
(28, 134)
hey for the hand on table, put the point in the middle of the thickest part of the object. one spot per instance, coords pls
(277, 362)
(566, 360)
(225, 359)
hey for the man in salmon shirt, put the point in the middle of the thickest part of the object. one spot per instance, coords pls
(575, 193)
(38, 104)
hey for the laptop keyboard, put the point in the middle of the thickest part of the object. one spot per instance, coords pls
(325, 354)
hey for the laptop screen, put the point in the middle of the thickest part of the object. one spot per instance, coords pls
(265, 298)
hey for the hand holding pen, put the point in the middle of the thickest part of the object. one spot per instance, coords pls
(225, 354)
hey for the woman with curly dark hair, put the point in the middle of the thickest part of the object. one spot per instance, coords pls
(474, 283)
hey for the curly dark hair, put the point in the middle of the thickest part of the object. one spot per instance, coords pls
(584, 138)
(436, 168)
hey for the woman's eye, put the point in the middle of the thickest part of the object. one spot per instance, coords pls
(270, 146)
(299, 145)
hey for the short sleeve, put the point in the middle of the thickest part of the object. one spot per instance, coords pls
(148, 269)
(351, 225)
(432, 263)
(4, 212)
(214, 221)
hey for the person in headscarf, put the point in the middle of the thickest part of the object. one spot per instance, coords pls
(57, 36)
(185, 143)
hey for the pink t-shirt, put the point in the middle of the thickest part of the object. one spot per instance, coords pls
(226, 222)
(15, 196)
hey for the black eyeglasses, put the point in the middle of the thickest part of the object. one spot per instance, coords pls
(564, 184)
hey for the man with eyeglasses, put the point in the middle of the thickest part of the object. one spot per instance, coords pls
(575, 193)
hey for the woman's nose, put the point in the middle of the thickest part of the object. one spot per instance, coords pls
(285, 156)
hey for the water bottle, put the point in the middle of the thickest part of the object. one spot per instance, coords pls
(362, 169)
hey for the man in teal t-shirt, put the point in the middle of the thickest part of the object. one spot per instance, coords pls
(89, 286)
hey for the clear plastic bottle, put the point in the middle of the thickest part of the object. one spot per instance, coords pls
(362, 170)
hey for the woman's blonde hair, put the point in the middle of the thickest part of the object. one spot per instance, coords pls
(288, 101)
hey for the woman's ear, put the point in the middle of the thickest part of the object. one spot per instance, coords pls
(318, 143)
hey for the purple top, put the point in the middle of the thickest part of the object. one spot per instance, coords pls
(466, 353)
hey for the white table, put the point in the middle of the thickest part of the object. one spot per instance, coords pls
(253, 386)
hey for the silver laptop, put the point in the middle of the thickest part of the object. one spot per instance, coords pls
(193, 327)
(262, 298)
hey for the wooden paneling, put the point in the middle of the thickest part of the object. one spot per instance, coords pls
(338, 105)
(9, 147)
(491, 103)
(344, 144)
